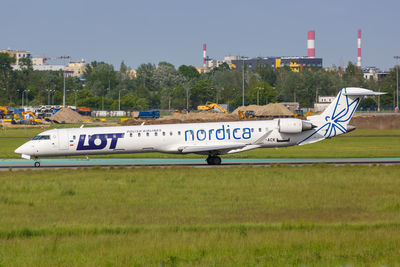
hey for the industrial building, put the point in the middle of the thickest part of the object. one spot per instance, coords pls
(296, 64)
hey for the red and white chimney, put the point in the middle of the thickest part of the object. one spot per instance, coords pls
(311, 44)
(204, 55)
(359, 49)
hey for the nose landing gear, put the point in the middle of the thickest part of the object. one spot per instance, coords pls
(37, 163)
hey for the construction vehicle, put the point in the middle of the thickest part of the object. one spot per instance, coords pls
(153, 114)
(3, 112)
(29, 118)
(246, 114)
(300, 114)
(17, 116)
(210, 105)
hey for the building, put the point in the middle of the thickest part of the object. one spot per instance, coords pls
(296, 64)
(75, 69)
(131, 73)
(17, 54)
(323, 103)
(38, 61)
(373, 73)
(203, 69)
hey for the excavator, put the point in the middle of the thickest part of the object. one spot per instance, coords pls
(15, 117)
(210, 105)
(246, 114)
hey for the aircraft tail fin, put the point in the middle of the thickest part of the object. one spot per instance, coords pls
(335, 118)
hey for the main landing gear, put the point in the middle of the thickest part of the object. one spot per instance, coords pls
(213, 160)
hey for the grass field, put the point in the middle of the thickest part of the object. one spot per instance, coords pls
(362, 143)
(318, 215)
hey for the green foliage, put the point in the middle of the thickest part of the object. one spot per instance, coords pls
(131, 102)
(201, 92)
(266, 94)
(189, 72)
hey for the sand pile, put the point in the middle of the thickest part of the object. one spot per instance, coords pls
(67, 115)
(273, 109)
(376, 121)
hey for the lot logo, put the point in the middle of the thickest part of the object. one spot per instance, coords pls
(98, 141)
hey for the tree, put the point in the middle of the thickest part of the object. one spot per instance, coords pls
(123, 68)
(266, 94)
(131, 102)
(144, 76)
(167, 78)
(6, 78)
(189, 72)
(267, 74)
(201, 92)
(100, 78)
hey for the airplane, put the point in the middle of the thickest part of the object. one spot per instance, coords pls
(212, 138)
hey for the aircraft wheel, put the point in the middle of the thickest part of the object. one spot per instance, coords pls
(217, 160)
(214, 160)
(37, 164)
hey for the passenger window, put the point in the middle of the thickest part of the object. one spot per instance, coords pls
(138, 134)
(74, 137)
(130, 135)
(147, 134)
(252, 129)
(259, 129)
(163, 133)
(179, 132)
(170, 133)
(155, 134)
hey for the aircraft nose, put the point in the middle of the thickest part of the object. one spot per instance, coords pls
(19, 150)
(27, 149)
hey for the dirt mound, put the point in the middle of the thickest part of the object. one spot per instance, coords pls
(273, 109)
(376, 121)
(67, 115)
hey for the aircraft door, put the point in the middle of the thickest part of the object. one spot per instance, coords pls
(62, 139)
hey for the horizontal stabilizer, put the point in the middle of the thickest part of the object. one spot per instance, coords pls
(354, 91)
(196, 149)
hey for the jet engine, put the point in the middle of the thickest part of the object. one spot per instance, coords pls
(294, 125)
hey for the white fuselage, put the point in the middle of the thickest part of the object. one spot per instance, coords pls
(222, 137)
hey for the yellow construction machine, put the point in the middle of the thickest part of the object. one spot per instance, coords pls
(210, 105)
(246, 114)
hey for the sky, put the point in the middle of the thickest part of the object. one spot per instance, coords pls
(143, 31)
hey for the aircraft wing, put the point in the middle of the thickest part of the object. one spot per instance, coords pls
(196, 149)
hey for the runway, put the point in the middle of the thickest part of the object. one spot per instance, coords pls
(77, 162)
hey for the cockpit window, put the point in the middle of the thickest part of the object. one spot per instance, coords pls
(41, 137)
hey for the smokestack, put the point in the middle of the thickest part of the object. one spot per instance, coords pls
(359, 50)
(204, 55)
(311, 44)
